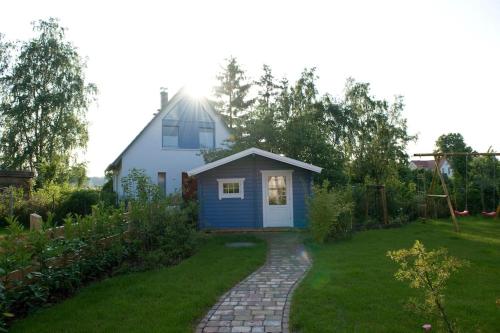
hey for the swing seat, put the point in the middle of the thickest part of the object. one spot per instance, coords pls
(462, 213)
(489, 214)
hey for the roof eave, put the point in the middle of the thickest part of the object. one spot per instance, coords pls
(254, 151)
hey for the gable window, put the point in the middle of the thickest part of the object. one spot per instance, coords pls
(170, 136)
(206, 138)
(231, 188)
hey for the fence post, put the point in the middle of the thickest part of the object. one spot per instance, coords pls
(35, 222)
(11, 202)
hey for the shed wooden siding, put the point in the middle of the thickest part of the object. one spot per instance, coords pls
(247, 213)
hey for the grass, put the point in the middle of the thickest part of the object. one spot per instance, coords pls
(351, 287)
(166, 300)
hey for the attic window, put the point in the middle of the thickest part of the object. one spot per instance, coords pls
(231, 188)
(170, 136)
(206, 138)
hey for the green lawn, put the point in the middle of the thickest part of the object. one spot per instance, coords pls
(166, 300)
(351, 288)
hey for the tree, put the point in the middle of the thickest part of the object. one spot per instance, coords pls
(292, 120)
(5, 54)
(484, 180)
(47, 97)
(428, 271)
(378, 140)
(231, 95)
(454, 142)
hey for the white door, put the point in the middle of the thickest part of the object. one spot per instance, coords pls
(277, 198)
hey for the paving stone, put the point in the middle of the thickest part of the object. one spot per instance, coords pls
(261, 302)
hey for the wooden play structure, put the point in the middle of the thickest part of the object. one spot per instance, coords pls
(438, 157)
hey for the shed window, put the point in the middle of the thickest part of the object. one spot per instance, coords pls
(170, 136)
(206, 138)
(231, 188)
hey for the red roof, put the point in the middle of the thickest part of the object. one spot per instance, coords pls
(426, 164)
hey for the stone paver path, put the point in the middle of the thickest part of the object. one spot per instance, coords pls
(261, 302)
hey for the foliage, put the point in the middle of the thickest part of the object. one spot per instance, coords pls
(62, 264)
(454, 142)
(428, 271)
(137, 186)
(378, 140)
(296, 121)
(484, 183)
(77, 202)
(330, 213)
(157, 295)
(162, 227)
(43, 111)
(232, 102)
(357, 139)
(108, 196)
(58, 199)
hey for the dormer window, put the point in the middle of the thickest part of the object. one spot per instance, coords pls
(206, 138)
(170, 136)
(188, 125)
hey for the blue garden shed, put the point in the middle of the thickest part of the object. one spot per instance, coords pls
(254, 189)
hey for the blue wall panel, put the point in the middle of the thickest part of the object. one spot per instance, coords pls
(247, 212)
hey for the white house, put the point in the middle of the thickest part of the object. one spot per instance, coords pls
(444, 166)
(172, 142)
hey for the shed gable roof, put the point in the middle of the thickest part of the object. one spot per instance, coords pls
(254, 151)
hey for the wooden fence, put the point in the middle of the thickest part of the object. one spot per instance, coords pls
(11, 278)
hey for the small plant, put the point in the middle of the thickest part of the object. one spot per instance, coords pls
(428, 271)
(330, 213)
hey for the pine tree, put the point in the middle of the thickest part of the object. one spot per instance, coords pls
(231, 94)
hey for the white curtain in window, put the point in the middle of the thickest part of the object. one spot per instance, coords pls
(170, 136)
(206, 138)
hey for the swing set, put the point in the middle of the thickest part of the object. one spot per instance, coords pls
(438, 157)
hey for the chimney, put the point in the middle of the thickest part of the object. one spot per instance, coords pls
(164, 98)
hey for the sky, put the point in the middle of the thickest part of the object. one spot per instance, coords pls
(442, 56)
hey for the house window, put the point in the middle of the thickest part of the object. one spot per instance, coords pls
(231, 188)
(170, 136)
(162, 182)
(206, 138)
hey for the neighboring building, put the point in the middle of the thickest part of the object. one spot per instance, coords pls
(444, 166)
(254, 189)
(19, 179)
(172, 142)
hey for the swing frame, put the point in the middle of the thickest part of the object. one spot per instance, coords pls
(438, 157)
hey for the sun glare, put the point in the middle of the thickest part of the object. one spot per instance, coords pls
(197, 89)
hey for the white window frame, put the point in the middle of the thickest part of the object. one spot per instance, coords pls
(240, 195)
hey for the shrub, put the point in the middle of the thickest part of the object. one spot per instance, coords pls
(78, 202)
(163, 226)
(428, 271)
(60, 200)
(330, 213)
(162, 233)
(82, 257)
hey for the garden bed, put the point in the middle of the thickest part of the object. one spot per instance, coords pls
(169, 299)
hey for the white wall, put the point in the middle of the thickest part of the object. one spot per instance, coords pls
(446, 169)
